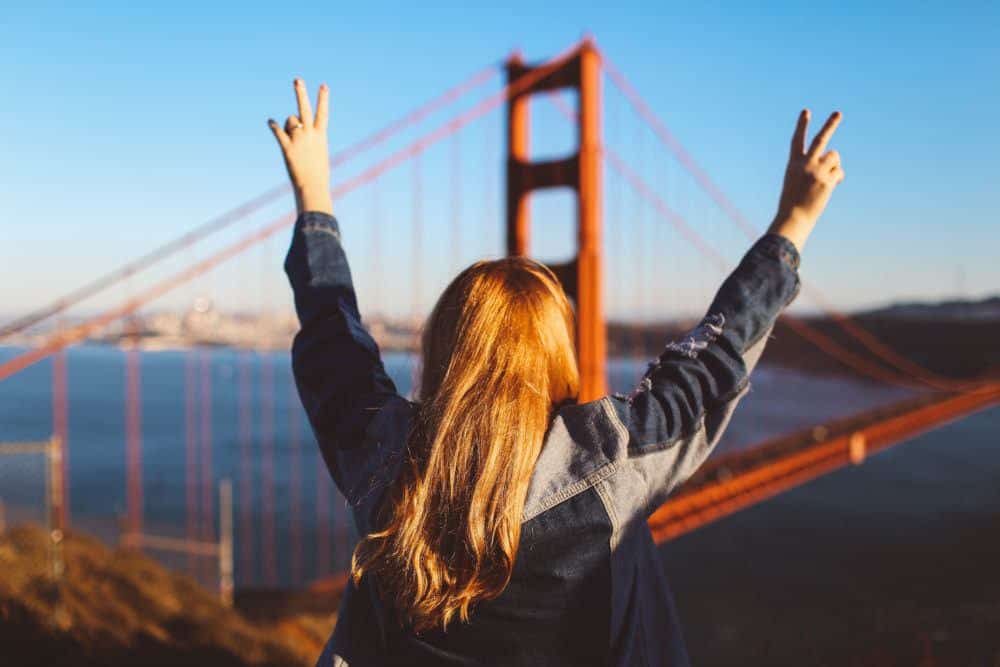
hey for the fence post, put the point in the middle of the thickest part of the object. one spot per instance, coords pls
(226, 541)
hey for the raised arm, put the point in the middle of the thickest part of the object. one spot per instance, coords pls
(677, 414)
(336, 362)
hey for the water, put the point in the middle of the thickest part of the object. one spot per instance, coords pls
(781, 400)
(890, 562)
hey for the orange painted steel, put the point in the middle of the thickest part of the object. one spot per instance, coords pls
(190, 450)
(205, 438)
(808, 332)
(60, 431)
(269, 563)
(246, 487)
(518, 152)
(582, 277)
(295, 484)
(736, 481)
(133, 437)
(81, 331)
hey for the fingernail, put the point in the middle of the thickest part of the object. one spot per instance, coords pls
(270, 121)
(298, 82)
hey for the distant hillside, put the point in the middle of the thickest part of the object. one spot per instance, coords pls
(117, 607)
(957, 339)
(958, 309)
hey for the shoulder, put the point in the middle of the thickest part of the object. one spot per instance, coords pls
(583, 447)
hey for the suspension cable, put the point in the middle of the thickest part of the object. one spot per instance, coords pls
(875, 346)
(232, 216)
(93, 324)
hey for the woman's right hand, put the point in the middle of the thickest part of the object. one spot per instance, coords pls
(304, 146)
(810, 179)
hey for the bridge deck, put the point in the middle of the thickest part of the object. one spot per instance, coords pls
(738, 480)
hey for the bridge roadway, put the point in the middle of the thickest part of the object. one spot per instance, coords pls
(731, 482)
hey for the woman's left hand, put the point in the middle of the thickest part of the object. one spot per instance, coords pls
(304, 146)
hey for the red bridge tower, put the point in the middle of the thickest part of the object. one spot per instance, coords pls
(581, 277)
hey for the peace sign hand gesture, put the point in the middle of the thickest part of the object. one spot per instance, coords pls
(303, 144)
(810, 179)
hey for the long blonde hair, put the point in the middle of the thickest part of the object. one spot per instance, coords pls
(498, 356)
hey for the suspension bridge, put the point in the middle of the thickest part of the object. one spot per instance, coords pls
(628, 176)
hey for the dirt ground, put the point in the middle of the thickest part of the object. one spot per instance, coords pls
(117, 607)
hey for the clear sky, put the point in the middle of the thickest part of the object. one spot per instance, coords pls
(122, 126)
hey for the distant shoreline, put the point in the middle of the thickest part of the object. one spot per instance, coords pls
(971, 352)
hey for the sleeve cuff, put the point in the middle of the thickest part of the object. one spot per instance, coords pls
(778, 247)
(316, 220)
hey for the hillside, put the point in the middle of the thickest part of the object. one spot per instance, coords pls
(953, 347)
(116, 607)
(955, 309)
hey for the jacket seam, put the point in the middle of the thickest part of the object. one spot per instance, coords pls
(573, 489)
(616, 421)
(591, 479)
(611, 511)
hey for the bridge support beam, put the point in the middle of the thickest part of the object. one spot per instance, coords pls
(582, 276)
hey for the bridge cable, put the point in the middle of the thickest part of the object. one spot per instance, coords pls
(245, 417)
(93, 324)
(207, 473)
(807, 331)
(191, 452)
(820, 340)
(266, 406)
(295, 482)
(852, 328)
(242, 211)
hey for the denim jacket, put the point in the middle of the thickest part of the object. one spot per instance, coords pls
(587, 586)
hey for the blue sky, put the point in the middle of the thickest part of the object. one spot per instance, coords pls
(122, 127)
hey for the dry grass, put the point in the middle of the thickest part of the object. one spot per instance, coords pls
(119, 607)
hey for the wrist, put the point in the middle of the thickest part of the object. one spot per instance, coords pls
(314, 198)
(794, 226)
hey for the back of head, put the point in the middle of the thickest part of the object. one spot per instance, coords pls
(498, 355)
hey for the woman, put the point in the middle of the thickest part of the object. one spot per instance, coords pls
(504, 522)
